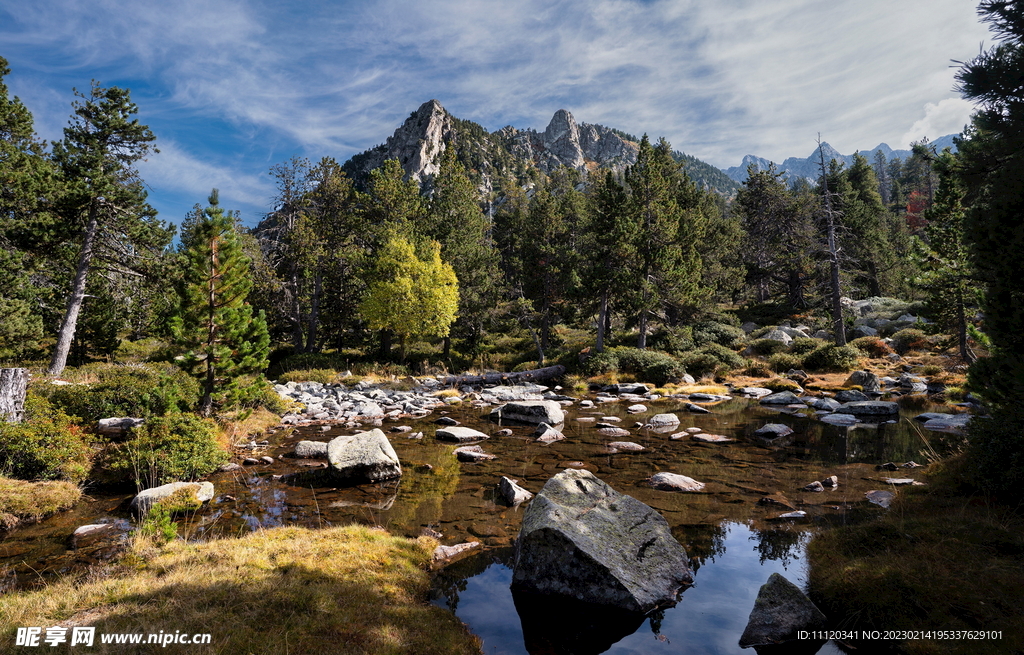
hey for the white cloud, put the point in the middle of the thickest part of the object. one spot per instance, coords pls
(948, 116)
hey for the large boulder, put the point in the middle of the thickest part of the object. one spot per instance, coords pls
(362, 458)
(780, 613)
(866, 380)
(851, 396)
(582, 539)
(781, 398)
(869, 408)
(186, 495)
(530, 411)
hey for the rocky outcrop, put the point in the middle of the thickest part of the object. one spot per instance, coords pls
(582, 539)
(118, 426)
(566, 143)
(362, 458)
(780, 612)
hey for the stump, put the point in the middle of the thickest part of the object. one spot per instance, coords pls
(13, 383)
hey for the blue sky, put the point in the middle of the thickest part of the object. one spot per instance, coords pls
(233, 87)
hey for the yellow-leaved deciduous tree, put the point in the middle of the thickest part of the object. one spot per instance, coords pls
(411, 296)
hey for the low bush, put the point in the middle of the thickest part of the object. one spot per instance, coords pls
(909, 339)
(672, 340)
(47, 445)
(765, 347)
(782, 362)
(757, 369)
(646, 365)
(872, 346)
(781, 384)
(832, 358)
(137, 390)
(729, 359)
(169, 449)
(712, 332)
(804, 345)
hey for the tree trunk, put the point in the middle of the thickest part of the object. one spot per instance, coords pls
(297, 336)
(13, 383)
(602, 317)
(314, 315)
(833, 253)
(70, 321)
(641, 341)
(538, 374)
(385, 345)
(446, 347)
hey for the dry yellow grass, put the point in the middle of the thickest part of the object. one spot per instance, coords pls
(21, 500)
(240, 425)
(702, 388)
(286, 590)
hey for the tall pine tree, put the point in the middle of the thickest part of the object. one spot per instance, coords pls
(223, 340)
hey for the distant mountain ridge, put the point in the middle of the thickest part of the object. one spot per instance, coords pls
(808, 167)
(510, 151)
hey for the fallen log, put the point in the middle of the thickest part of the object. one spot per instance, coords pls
(536, 375)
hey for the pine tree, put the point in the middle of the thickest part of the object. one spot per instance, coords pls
(215, 326)
(103, 201)
(993, 167)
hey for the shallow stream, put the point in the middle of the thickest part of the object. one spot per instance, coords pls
(734, 542)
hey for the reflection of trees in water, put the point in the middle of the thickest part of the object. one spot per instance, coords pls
(702, 541)
(781, 545)
(452, 579)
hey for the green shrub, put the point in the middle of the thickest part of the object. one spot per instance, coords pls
(757, 369)
(909, 339)
(672, 340)
(601, 363)
(47, 445)
(267, 397)
(832, 358)
(871, 346)
(804, 345)
(168, 449)
(140, 391)
(645, 365)
(699, 363)
(765, 347)
(782, 362)
(158, 525)
(712, 332)
(310, 361)
(728, 358)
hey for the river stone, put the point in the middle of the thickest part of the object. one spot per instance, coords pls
(530, 411)
(366, 457)
(144, 501)
(118, 426)
(955, 423)
(627, 387)
(696, 409)
(472, 454)
(663, 419)
(459, 434)
(636, 409)
(548, 434)
(625, 446)
(780, 398)
(310, 449)
(613, 432)
(866, 380)
(582, 539)
(710, 438)
(773, 431)
(843, 420)
(511, 492)
(446, 553)
(831, 482)
(446, 420)
(825, 404)
(674, 482)
(755, 392)
(880, 497)
(780, 612)
(851, 396)
(869, 408)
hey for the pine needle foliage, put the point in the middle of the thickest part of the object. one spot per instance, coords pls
(223, 340)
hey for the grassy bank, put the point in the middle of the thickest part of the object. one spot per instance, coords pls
(286, 590)
(21, 500)
(939, 559)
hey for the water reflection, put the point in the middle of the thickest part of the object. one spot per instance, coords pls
(709, 618)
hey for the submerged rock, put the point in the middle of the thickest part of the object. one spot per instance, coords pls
(363, 458)
(473, 454)
(674, 482)
(582, 539)
(780, 612)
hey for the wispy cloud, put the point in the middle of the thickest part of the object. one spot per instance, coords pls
(244, 84)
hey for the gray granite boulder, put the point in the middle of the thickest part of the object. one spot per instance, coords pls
(825, 404)
(459, 434)
(773, 431)
(780, 613)
(362, 458)
(866, 380)
(869, 408)
(194, 494)
(582, 539)
(674, 482)
(118, 426)
(310, 449)
(659, 420)
(851, 396)
(780, 398)
(530, 411)
(472, 454)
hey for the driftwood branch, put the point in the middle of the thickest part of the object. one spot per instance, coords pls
(536, 375)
